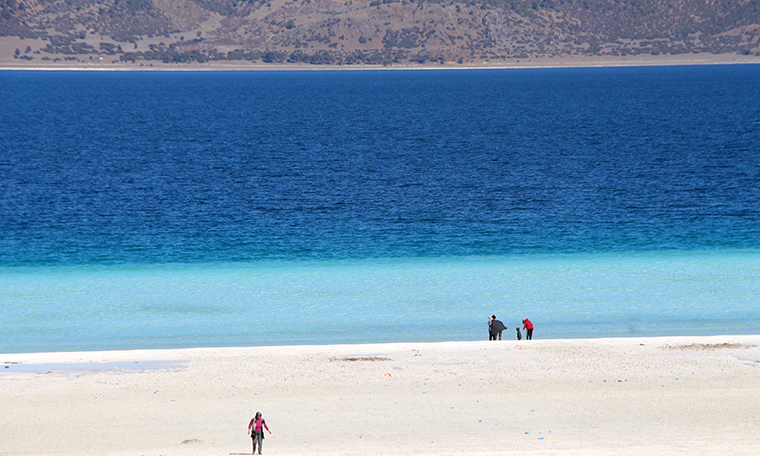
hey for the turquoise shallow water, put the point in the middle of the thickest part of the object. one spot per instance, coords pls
(182, 209)
(360, 301)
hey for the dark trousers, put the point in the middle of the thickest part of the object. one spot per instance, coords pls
(529, 335)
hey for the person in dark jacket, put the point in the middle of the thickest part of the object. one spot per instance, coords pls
(495, 327)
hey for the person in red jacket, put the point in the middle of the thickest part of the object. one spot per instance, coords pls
(528, 326)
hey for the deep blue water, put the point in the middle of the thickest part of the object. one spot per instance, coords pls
(329, 189)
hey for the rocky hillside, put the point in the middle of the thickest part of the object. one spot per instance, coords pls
(375, 31)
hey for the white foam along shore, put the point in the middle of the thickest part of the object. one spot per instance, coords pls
(626, 396)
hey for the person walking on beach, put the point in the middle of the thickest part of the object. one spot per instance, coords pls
(256, 431)
(495, 327)
(528, 327)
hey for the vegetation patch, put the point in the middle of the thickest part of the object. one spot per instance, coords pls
(372, 359)
(709, 346)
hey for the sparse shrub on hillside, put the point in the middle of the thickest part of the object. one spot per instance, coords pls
(274, 57)
(132, 5)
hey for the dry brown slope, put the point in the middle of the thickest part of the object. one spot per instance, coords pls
(347, 31)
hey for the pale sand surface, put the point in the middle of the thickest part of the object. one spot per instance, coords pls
(628, 396)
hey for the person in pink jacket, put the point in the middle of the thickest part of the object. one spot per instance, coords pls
(528, 326)
(256, 431)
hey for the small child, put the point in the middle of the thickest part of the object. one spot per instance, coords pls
(519, 334)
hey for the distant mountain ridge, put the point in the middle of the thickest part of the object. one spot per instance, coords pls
(377, 31)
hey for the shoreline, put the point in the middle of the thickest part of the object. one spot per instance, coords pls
(156, 354)
(173, 354)
(622, 396)
(565, 62)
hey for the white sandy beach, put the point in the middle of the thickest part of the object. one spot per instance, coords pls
(646, 396)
